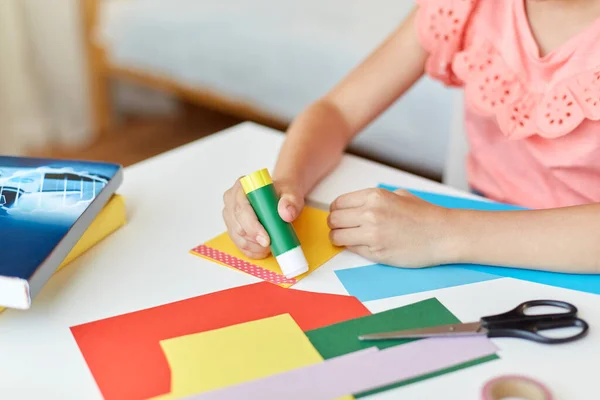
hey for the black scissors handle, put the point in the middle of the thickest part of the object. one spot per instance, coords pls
(515, 323)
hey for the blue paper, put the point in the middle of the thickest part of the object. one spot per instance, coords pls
(378, 281)
(457, 202)
(582, 282)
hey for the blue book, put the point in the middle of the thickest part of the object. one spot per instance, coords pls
(45, 207)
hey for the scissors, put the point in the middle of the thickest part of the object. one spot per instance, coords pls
(514, 323)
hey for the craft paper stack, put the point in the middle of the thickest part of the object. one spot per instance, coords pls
(294, 343)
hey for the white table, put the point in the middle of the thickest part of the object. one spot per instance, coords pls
(174, 203)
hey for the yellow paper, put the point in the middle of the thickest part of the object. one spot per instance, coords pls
(108, 220)
(239, 353)
(313, 233)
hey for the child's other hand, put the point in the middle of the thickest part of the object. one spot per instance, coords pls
(243, 226)
(393, 228)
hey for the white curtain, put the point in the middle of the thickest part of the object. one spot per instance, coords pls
(43, 81)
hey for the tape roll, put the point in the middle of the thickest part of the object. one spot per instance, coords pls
(515, 387)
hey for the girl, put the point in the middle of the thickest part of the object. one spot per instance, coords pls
(531, 74)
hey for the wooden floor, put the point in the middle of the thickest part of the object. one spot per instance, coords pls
(139, 138)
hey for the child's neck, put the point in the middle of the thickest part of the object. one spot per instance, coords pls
(554, 22)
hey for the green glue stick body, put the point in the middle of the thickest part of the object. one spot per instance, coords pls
(285, 245)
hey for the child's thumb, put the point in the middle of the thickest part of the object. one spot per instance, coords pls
(290, 206)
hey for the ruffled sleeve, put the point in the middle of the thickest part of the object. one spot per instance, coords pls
(441, 28)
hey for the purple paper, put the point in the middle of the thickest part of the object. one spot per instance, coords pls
(360, 371)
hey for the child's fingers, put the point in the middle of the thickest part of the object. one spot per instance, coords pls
(249, 248)
(290, 205)
(348, 218)
(243, 226)
(352, 200)
(347, 237)
(248, 221)
(362, 251)
(237, 234)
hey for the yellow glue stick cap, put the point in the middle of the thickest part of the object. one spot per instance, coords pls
(256, 180)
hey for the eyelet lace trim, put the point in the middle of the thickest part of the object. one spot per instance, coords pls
(491, 88)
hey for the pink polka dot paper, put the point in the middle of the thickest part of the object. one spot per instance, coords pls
(243, 266)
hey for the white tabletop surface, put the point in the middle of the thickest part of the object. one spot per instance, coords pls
(174, 203)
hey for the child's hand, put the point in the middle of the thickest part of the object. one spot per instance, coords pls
(393, 228)
(243, 226)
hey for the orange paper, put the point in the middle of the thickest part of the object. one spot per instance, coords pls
(313, 233)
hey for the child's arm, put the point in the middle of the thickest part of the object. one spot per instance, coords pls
(316, 139)
(400, 229)
(562, 239)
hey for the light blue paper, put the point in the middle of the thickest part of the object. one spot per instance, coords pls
(457, 202)
(581, 282)
(378, 281)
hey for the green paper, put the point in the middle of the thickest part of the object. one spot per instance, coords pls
(342, 338)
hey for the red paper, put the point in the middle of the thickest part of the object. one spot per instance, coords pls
(124, 354)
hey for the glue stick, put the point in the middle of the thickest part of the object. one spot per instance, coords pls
(285, 245)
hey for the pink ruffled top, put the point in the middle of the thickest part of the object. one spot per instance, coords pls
(532, 122)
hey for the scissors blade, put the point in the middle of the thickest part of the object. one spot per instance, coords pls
(468, 329)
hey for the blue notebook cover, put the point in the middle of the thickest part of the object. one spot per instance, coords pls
(45, 207)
